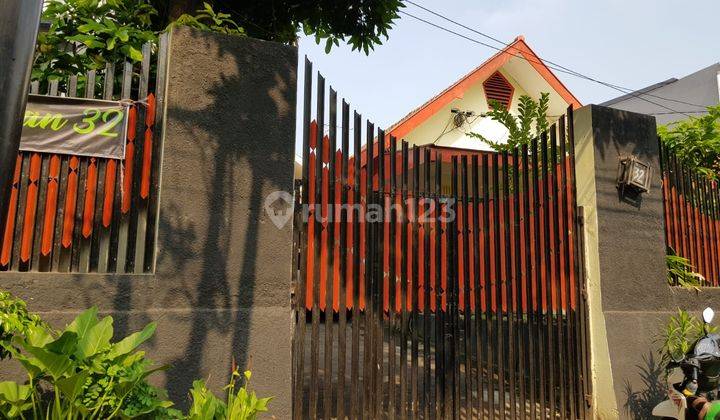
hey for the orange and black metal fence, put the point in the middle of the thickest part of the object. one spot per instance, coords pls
(433, 283)
(85, 214)
(692, 216)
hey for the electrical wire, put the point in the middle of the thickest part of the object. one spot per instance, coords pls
(558, 66)
(633, 94)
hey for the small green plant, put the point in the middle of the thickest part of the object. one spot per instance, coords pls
(530, 122)
(243, 405)
(207, 19)
(680, 272)
(680, 333)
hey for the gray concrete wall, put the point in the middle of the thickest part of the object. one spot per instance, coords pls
(222, 284)
(629, 298)
(699, 88)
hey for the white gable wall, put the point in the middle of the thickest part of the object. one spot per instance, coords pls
(440, 130)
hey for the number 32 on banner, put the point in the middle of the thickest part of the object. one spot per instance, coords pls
(111, 118)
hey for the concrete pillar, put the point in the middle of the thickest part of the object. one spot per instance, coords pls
(229, 143)
(624, 253)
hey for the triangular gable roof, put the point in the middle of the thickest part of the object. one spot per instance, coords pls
(479, 74)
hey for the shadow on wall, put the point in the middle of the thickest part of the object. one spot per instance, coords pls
(639, 403)
(232, 111)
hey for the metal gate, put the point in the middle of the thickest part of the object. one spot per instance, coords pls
(434, 282)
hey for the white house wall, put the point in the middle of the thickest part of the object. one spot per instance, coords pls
(440, 130)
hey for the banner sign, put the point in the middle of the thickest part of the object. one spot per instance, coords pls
(73, 126)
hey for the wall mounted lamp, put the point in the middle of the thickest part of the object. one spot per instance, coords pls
(634, 174)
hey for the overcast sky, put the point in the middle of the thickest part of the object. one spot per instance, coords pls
(631, 43)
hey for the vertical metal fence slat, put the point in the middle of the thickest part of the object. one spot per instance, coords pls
(6, 255)
(417, 397)
(300, 287)
(557, 274)
(30, 213)
(42, 208)
(548, 261)
(452, 285)
(440, 362)
(150, 234)
(488, 340)
(428, 228)
(529, 276)
(508, 283)
(498, 287)
(49, 208)
(568, 312)
(467, 314)
(355, 392)
(477, 288)
(368, 326)
(392, 277)
(379, 293)
(330, 214)
(538, 274)
(342, 289)
(518, 281)
(315, 347)
(128, 229)
(404, 316)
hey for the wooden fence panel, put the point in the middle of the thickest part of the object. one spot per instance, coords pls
(85, 214)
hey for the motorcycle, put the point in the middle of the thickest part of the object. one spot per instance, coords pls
(693, 397)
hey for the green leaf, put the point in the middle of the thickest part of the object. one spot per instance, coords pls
(14, 393)
(84, 322)
(97, 338)
(65, 344)
(132, 52)
(54, 364)
(131, 342)
(73, 385)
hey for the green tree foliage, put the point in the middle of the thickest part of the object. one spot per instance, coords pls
(696, 141)
(207, 19)
(530, 122)
(360, 23)
(87, 34)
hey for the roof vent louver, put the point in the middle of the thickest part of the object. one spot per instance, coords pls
(497, 88)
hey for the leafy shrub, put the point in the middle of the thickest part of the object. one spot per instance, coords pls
(79, 372)
(696, 141)
(14, 320)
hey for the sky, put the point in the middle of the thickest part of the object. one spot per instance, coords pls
(630, 43)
